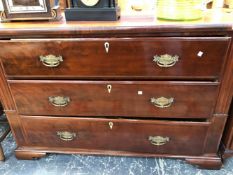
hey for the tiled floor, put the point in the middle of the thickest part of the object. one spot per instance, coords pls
(54, 164)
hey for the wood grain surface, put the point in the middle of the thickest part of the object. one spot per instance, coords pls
(92, 98)
(125, 135)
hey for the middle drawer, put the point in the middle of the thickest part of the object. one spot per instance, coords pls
(115, 98)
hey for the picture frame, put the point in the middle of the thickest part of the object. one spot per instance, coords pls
(21, 10)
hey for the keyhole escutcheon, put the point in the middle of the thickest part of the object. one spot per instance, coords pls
(110, 125)
(109, 88)
(106, 46)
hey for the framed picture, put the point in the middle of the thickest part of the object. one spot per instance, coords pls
(28, 10)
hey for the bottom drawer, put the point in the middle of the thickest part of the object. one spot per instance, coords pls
(133, 136)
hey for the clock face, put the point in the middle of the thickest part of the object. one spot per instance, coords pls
(90, 3)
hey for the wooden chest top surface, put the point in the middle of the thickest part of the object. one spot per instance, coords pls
(213, 20)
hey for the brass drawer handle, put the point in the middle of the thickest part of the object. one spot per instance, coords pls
(59, 101)
(158, 140)
(162, 102)
(66, 136)
(51, 60)
(166, 60)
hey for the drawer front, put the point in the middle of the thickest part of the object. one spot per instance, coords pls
(159, 137)
(119, 58)
(115, 98)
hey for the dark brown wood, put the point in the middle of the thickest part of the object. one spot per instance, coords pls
(85, 129)
(127, 58)
(223, 106)
(15, 125)
(209, 26)
(5, 94)
(2, 157)
(225, 152)
(214, 135)
(206, 163)
(66, 150)
(227, 145)
(28, 155)
(96, 134)
(202, 87)
(92, 98)
(228, 138)
(226, 91)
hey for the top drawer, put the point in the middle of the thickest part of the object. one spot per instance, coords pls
(119, 58)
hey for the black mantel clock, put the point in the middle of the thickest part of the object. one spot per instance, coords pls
(92, 10)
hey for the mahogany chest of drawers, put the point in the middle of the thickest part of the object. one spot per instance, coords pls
(227, 145)
(111, 89)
